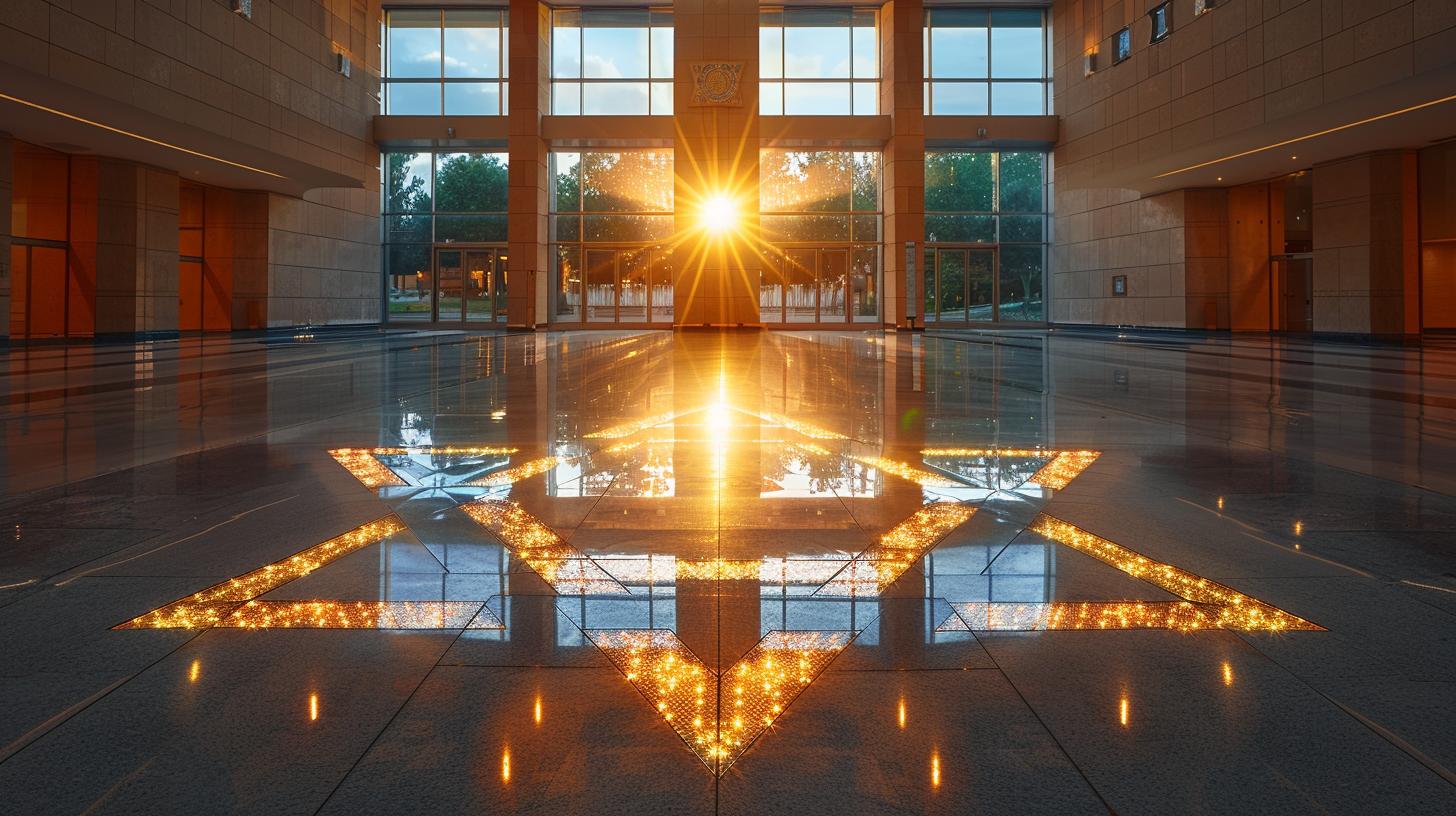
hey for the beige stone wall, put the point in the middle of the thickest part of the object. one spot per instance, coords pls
(271, 83)
(1105, 233)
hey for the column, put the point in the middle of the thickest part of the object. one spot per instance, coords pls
(6, 190)
(902, 96)
(716, 154)
(1367, 245)
(528, 270)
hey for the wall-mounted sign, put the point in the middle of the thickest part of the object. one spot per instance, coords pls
(1119, 286)
(715, 85)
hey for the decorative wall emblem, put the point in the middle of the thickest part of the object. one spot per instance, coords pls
(715, 84)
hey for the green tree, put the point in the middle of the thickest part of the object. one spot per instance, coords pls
(471, 182)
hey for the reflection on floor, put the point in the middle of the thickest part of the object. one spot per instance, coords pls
(841, 570)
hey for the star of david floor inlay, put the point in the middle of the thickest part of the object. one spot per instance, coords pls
(515, 498)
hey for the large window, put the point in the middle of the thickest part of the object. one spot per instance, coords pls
(441, 198)
(445, 61)
(821, 213)
(818, 61)
(610, 215)
(611, 62)
(986, 233)
(986, 61)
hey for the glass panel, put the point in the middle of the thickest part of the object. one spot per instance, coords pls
(864, 284)
(866, 98)
(812, 181)
(630, 181)
(866, 228)
(1022, 182)
(661, 48)
(866, 181)
(566, 191)
(1026, 229)
(471, 182)
(449, 271)
(958, 99)
(816, 43)
(632, 297)
(928, 291)
(799, 293)
(601, 285)
(408, 228)
(1016, 98)
(833, 276)
(661, 285)
(472, 43)
(959, 51)
(614, 43)
(472, 228)
(952, 289)
(771, 292)
(770, 98)
(960, 182)
(409, 281)
(414, 44)
(805, 228)
(770, 52)
(499, 286)
(567, 293)
(614, 99)
(866, 50)
(566, 228)
(566, 98)
(478, 302)
(412, 99)
(628, 229)
(407, 182)
(816, 99)
(980, 280)
(960, 229)
(472, 98)
(1021, 283)
(566, 44)
(1016, 43)
(662, 99)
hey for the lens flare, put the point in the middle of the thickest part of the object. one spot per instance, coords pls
(718, 215)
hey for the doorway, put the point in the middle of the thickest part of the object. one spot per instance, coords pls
(833, 285)
(1294, 283)
(631, 285)
(470, 284)
(39, 291)
(961, 285)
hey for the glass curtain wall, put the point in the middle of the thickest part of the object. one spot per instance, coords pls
(611, 218)
(611, 62)
(445, 235)
(986, 225)
(450, 61)
(821, 218)
(818, 62)
(982, 62)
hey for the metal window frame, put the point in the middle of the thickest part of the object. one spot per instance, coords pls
(849, 81)
(581, 81)
(501, 79)
(990, 80)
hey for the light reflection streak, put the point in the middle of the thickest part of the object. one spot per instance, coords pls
(886, 560)
(364, 464)
(559, 564)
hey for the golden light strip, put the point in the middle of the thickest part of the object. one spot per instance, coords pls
(629, 428)
(1015, 453)
(924, 478)
(1230, 608)
(1059, 472)
(559, 564)
(520, 472)
(805, 428)
(1181, 616)
(720, 717)
(208, 607)
(885, 561)
(1307, 137)
(361, 615)
(137, 136)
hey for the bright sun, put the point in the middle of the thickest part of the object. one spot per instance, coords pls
(719, 214)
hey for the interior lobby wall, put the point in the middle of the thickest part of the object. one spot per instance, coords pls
(6, 191)
(1438, 235)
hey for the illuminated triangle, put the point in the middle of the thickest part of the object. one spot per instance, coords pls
(720, 715)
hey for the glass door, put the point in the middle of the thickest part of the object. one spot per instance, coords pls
(498, 289)
(660, 274)
(449, 284)
(479, 303)
(601, 286)
(632, 286)
(833, 285)
(960, 285)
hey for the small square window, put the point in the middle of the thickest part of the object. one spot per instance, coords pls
(1200, 6)
(1161, 24)
(1122, 47)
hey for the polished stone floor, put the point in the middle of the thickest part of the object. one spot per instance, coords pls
(642, 572)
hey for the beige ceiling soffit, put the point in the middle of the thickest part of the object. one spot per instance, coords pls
(1327, 131)
(137, 136)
